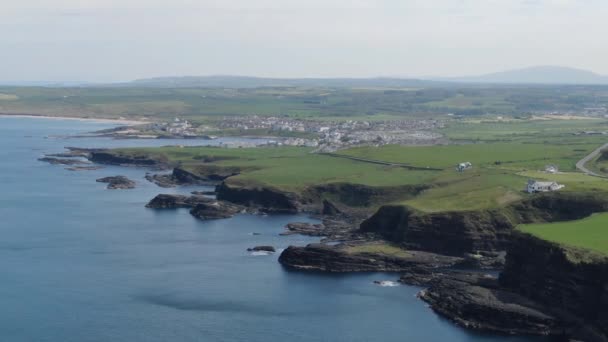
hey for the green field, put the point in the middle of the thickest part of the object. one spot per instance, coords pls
(506, 155)
(503, 161)
(589, 233)
(498, 177)
(290, 168)
(528, 130)
(344, 101)
(472, 190)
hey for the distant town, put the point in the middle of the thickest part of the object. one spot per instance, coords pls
(325, 136)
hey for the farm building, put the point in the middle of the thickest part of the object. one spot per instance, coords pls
(551, 169)
(463, 166)
(536, 186)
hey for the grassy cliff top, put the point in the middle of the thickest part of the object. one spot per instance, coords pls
(589, 233)
(288, 168)
(498, 177)
(513, 155)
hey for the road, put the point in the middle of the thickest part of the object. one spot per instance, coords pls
(381, 162)
(581, 163)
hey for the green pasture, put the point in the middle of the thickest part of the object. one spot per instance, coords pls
(589, 233)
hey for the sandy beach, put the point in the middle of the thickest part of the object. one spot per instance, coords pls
(116, 121)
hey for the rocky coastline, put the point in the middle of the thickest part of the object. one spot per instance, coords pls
(436, 248)
(543, 288)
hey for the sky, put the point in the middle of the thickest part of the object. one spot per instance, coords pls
(121, 40)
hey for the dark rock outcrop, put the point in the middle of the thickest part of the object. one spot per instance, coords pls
(162, 180)
(477, 302)
(84, 168)
(304, 228)
(319, 257)
(203, 193)
(111, 158)
(117, 182)
(545, 289)
(460, 232)
(200, 175)
(358, 195)
(575, 282)
(214, 209)
(330, 209)
(265, 199)
(170, 201)
(262, 249)
(331, 229)
(453, 233)
(62, 161)
(202, 207)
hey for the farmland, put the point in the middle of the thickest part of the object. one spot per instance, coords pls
(498, 177)
(289, 168)
(509, 134)
(305, 100)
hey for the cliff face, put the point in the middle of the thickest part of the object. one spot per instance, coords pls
(452, 233)
(318, 257)
(552, 207)
(461, 232)
(264, 198)
(573, 282)
(204, 173)
(357, 195)
(105, 157)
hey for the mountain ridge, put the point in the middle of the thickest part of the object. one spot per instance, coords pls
(544, 74)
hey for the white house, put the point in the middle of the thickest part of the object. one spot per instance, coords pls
(464, 166)
(536, 186)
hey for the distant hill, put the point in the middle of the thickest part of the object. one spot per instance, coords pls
(254, 82)
(538, 75)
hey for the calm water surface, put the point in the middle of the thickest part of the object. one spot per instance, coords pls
(82, 263)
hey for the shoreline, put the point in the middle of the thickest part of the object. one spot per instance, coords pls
(100, 120)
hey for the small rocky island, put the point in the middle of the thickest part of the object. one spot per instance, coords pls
(269, 249)
(117, 182)
(201, 207)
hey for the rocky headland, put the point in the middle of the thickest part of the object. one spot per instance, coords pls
(544, 288)
(62, 161)
(208, 175)
(342, 258)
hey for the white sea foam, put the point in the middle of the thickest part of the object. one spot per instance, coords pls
(260, 253)
(387, 283)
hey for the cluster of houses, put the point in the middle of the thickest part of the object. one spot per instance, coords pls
(533, 186)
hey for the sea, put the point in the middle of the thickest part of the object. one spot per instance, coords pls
(82, 263)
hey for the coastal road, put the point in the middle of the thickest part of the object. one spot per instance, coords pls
(581, 163)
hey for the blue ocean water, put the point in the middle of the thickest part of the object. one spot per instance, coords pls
(82, 263)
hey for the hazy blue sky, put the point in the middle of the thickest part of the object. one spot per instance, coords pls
(113, 40)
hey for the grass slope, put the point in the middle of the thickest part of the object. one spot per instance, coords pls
(589, 233)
